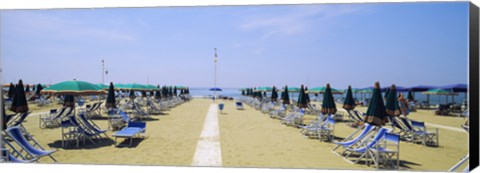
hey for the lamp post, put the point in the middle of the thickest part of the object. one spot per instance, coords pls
(215, 59)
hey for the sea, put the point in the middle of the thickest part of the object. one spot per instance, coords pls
(236, 93)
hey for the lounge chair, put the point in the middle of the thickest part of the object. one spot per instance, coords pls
(365, 148)
(16, 134)
(152, 108)
(424, 136)
(239, 105)
(92, 126)
(388, 150)
(311, 129)
(54, 118)
(327, 129)
(133, 129)
(72, 130)
(349, 141)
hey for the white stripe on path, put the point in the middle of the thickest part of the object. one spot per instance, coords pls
(208, 151)
(446, 127)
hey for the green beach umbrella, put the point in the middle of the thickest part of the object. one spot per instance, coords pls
(157, 93)
(322, 90)
(302, 100)
(175, 91)
(69, 101)
(274, 94)
(133, 87)
(293, 89)
(264, 94)
(144, 94)
(410, 95)
(264, 89)
(386, 92)
(349, 103)
(19, 103)
(38, 90)
(286, 97)
(11, 91)
(103, 86)
(27, 89)
(111, 103)
(439, 92)
(392, 108)
(328, 104)
(74, 88)
(376, 113)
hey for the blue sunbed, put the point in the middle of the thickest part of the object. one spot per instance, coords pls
(133, 129)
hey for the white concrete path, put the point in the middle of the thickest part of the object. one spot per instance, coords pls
(208, 151)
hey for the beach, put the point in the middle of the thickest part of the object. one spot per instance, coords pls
(248, 138)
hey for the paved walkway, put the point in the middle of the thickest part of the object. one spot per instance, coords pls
(208, 151)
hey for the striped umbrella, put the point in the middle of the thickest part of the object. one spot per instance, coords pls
(376, 113)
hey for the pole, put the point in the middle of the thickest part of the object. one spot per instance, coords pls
(103, 71)
(2, 145)
(215, 75)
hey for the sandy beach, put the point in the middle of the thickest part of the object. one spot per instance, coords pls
(248, 138)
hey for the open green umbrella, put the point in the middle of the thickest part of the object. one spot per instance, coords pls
(439, 92)
(19, 103)
(133, 87)
(264, 89)
(376, 113)
(321, 90)
(328, 104)
(392, 108)
(410, 95)
(349, 103)
(103, 86)
(111, 103)
(74, 88)
(293, 89)
(286, 97)
(69, 101)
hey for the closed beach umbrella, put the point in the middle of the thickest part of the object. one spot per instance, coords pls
(286, 97)
(69, 101)
(175, 91)
(27, 89)
(157, 93)
(328, 104)
(410, 95)
(74, 88)
(11, 91)
(274, 94)
(39, 89)
(307, 97)
(376, 113)
(144, 94)
(264, 94)
(392, 108)
(349, 103)
(19, 103)
(302, 100)
(111, 103)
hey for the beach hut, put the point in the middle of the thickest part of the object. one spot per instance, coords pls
(349, 103)
(376, 113)
(391, 106)
(328, 104)
(110, 102)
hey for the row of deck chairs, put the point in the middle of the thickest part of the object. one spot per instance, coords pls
(79, 129)
(409, 130)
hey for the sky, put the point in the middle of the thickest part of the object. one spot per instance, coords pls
(405, 44)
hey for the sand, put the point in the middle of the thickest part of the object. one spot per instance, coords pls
(248, 138)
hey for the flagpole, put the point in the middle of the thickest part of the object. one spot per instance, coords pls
(215, 75)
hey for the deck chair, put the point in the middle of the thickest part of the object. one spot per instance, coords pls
(32, 153)
(133, 129)
(388, 151)
(311, 129)
(421, 134)
(54, 118)
(92, 126)
(152, 108)
(326, 131)
(349, 141)
(364, 149)
(72, 130)
(352, 116)
(139, 112)
(239, 105)
(13, 155)
(359, 115)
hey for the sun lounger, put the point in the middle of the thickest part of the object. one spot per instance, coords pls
(54, 118)
(133, 129)
(16, 134)
(92, 126)
(365, 148)
(239, 105)
(72, 130)
(388, 151)
(348, 142)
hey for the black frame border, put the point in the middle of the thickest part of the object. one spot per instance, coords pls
(473, 85)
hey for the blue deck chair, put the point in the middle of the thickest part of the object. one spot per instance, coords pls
(92, 126)
(365, 148)
(387, 149)
(312, 128)
(327, 129)
(54, 118)
(133, 129)
(75, 131)
(239, 105)
(16, 134)
(349, 141)
(420, 133)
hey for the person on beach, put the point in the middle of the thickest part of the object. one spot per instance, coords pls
(403, 104)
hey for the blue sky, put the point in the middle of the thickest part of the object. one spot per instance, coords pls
(341, 44)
